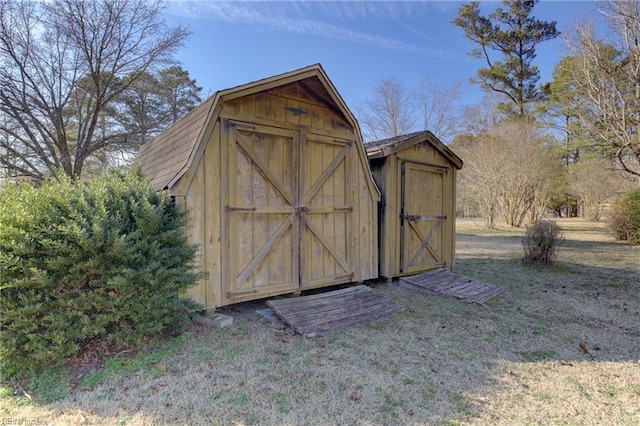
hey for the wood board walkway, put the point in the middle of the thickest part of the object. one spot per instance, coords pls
(323, 313)
(442, 281)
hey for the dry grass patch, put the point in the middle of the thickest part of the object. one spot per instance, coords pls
(561, 392)
(515, 360)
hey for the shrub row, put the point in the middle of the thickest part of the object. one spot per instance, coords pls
(624, 219)
(88, 265)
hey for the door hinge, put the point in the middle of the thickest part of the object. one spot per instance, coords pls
(417, 218)
(240, 125)
(341, 277)
(228, 208)
(240, 293)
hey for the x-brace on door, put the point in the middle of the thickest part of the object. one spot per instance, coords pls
(421, 217)
(289, 211)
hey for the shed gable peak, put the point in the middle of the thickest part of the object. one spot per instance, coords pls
(170, 155)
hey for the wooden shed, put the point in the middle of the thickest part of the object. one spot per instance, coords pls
(278, 187)
(416, 174)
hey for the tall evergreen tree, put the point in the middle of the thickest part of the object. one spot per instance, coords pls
(155, 101)
(562, 108)
(179, 91)
(140, 110)
(514, 35)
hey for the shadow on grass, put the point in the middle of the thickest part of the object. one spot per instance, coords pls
(496, 271)
(516, 240)
(551, 310)
(600, 245)
(417, 365)
(494, 239)
(414, 367)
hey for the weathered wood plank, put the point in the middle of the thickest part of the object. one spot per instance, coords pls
(194, 203)
(458, 285)
(447, 283)
(212, 218)
(430, 273)
(322, 313)
(355, 321)
(326, 295)
(458, 291)
(325, 303)
(471, 289)
(483, 297)
(339, 309)
(318, 329)
(370, 311)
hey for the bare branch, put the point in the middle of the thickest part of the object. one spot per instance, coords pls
(608, 75)
(388, 114)
(63, 67)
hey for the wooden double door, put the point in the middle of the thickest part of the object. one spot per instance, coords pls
(289, 211)
(422, 217)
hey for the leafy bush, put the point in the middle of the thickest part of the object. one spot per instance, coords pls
(624, 218)
(540, 242)
(88, 265)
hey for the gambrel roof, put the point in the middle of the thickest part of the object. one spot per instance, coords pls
(164, 158)
(386, 147)
(171, 154)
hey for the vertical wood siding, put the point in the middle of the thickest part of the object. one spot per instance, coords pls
(247, 247)
(387, 172)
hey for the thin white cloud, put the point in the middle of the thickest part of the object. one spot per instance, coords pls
(292, 17)
(370, 9)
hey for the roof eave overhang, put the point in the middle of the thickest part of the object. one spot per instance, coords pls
(385, 151)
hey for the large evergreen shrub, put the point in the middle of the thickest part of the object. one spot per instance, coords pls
(624, 218)
(99, 264)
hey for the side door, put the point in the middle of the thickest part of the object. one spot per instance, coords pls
(325, 211)
(421, 217)
(261, 214)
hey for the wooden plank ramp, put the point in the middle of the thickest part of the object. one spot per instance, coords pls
(322, 313)
(444, 282)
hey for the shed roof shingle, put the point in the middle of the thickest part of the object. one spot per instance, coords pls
(166, 155)
(385, 147)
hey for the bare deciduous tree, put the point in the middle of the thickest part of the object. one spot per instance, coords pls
(510, 170)
(529, 175)
(592, 182)
(62, 66)
(483, 116)
(394, 110)
(388, 113)
(608, 72)
(436, 103)
(482, 174)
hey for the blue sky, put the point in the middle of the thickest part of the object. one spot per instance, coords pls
(358, 43)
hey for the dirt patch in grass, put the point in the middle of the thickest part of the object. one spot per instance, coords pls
(516, 359)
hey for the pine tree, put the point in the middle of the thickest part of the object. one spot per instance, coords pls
(514, 35)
